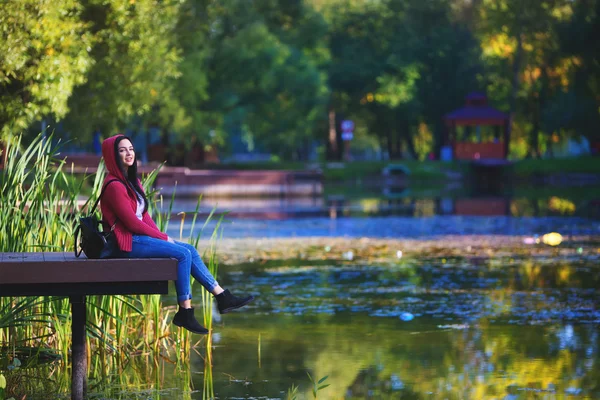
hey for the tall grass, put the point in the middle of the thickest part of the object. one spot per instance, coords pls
(35, 193)
(39, 190)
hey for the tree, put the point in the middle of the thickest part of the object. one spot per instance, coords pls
(44, 55)
(521, 46)
(263, 69)
(135, 59)
(191, 86)
(359, 45)
(442, 65)
(576, 109)
(402, 62)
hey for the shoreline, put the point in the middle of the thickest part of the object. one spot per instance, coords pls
(250, 250)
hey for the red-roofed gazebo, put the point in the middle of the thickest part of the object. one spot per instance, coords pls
(477, 113)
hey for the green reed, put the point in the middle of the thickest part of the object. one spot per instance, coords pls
(35, 193)
(38, 190)
(208, 389)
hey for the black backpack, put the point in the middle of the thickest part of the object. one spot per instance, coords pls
(88, 234)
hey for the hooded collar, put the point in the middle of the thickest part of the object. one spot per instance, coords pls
(109, 153)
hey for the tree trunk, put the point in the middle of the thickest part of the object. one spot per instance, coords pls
(398, 149)
(534, 140)
(542, 102)
(410, 146)
(405, 137)
(393, 128)
(438, 138)
(332, 138)
(537, 105)
(165, 137)
(390, 144)
(515, 87)
(382, 147)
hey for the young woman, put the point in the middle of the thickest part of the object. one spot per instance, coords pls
(125, 208)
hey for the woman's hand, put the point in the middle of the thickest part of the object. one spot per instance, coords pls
(170, 239)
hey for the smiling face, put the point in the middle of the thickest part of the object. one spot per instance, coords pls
(126, 153)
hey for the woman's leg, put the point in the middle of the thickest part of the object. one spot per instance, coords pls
(226, 301)
(149, 247)
(200, 271)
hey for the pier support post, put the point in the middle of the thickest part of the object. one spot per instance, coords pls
(78, 352)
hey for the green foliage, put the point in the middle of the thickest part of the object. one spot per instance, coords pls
(577, 109)
(191, 86)
(44, 54)
(363, 170)
(292, 393)
(271, 71)
(264, 75)
(590, 165)
(35, 192)
(391, 63)
(317, 386)
(135, 58)
(2, 382)
(536, 71)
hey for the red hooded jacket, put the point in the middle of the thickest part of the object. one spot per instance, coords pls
(119, 203)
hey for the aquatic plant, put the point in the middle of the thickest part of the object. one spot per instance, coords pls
(292, 393)
(317, 386)
(36, 193)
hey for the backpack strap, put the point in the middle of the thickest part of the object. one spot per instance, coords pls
(77, 231)
(101, 193)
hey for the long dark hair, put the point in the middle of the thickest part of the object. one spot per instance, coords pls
(132, 175)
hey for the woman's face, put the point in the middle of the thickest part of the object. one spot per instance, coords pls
(126, 153)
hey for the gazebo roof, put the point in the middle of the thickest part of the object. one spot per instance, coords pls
(476, 112)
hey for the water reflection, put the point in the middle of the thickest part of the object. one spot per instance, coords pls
(403, 216)
(424, 203)
(483, 328)
(525, 292)
(394, 227)
(480, 331)
(379, 359)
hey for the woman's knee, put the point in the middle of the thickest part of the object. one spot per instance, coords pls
(193, 251)
(183, 255)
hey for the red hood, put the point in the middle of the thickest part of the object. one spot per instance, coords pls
(110, 160)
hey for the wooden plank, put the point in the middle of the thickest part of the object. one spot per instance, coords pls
(13, 257)
(55, 272)
(48, 256)
(33, 257)
(84, 288)
(30, 269)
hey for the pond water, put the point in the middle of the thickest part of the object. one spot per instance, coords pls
(384, 218)
(398, 227)
(516, 327)
(509, 327)
(357, 211)
(454, 328)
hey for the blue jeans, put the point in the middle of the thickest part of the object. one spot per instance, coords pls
(188, 259)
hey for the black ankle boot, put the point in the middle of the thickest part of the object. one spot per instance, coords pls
(228, 302)
(185, 318)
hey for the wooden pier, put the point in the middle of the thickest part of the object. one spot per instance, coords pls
(218, 182)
